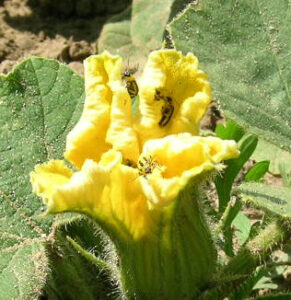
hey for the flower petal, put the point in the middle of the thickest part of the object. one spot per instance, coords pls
(48, 177)
(121, 134)
(178, 77)
(107, 191)
(179, 158)
(106, 119)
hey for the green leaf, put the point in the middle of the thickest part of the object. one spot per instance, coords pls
(244, 290)
(275, 199)
(244, 47)
(276, 156)
(231, 131)
(243, 227)
(275, 297)
(139, 30)
(115, 35)
(257, 171)
(224, 182)
(24, 267)
(286, 175)
(152, 16)
(40, 101)
(265, 283)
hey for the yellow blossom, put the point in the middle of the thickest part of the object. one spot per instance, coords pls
(129, 167)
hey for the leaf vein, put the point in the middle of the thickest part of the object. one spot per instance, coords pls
(44, 133)
(29, 220)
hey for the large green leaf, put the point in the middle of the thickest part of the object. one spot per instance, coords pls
(39, 102)
(115, 35)
(136, 31)
(149, 19)
(272, 198)
(245, 48)
(139, 30)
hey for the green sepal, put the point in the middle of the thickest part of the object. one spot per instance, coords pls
(178, 261)
(71, 275)
(100, 263)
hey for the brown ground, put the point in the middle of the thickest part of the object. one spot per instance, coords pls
(66, 30)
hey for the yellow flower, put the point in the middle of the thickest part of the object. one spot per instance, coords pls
(107, 122)
(130, 168)
(137, 174)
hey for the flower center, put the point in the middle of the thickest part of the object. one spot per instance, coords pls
(146, 165)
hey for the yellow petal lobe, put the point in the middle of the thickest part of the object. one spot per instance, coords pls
(46, 178)
(106, 113)
(181, 86)
(178, 159)
(108, 191)
(121, 134)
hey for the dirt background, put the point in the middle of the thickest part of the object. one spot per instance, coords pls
(66, 30)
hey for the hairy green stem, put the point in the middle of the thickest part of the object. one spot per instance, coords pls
(227, 217)
(253, 254)
(257, 249)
